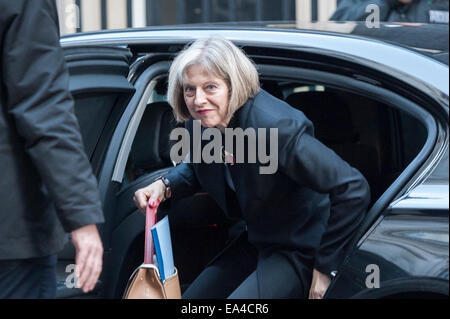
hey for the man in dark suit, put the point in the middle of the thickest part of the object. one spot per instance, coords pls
(47, 187)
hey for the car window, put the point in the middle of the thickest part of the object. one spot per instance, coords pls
(93, 111)
(151, 146)
(157, 97)
(413, 136)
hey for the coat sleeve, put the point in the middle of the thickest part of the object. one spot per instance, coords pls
(355, 10)
(183, 181)
(313, 165)
(36, 83)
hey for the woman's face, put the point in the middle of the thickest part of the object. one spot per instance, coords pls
(206, 97)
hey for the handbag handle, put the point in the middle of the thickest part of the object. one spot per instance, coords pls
(150, 220)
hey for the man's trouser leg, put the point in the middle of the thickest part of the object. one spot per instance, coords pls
(28, 278)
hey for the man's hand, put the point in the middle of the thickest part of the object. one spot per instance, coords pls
(89, 256)
(319, 285)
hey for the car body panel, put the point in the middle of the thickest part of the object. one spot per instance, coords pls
(425, 197)
(407, 246)
(421, 37)
(373, 52)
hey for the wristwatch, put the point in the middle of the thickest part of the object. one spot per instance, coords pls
(167, 192)
(333, 274)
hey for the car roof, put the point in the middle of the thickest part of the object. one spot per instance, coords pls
(428, 39)
(420, 67)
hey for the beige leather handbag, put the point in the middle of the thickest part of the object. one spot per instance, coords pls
(145, 282)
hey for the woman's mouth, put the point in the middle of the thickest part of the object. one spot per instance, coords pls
(203, 111)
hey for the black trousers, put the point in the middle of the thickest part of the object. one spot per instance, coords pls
(233, 274)
(28, 278)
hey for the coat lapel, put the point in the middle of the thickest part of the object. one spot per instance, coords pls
(213, 180)
(212, 176)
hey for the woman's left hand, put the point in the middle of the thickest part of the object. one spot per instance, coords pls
(319, 285)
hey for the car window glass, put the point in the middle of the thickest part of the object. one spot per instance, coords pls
(93, 111)
(150, 151)
(414, 135)
(301, 88)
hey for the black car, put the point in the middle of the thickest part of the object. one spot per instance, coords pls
(378, 97)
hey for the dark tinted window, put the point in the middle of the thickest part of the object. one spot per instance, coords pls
(93, 111)
(414, 135)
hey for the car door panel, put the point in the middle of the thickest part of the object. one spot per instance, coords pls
(408, 245)
(98, 83)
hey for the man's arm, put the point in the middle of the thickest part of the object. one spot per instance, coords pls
(38, 99)
(36, 85)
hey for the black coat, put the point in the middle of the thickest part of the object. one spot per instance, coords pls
(314, 200)
(47, 187)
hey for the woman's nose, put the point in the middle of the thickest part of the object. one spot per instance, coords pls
(200, 97)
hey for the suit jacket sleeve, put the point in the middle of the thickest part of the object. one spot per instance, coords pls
(183, 180)
(313, 165)
(355, 10)
(36, 81)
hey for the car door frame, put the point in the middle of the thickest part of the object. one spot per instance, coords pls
(118, 235)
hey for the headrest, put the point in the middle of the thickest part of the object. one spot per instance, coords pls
(151, 146)
(328, 112)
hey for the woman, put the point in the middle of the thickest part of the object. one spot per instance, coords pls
(299, 219)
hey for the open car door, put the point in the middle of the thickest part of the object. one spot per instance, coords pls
(99, 85)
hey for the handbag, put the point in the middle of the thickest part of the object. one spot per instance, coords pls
(145, 282)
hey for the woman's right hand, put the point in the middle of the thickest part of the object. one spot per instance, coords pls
(153, 194)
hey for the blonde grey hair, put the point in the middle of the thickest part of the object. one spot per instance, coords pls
(221, 58)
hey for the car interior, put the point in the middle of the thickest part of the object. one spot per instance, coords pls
(378, 140)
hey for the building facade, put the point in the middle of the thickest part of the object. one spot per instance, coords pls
(93, 15)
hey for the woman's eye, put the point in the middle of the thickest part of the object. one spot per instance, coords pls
(211, 87)
(188, 90)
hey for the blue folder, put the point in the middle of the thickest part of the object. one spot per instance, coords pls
(163, 248)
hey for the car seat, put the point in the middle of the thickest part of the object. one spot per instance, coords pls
(333, 126)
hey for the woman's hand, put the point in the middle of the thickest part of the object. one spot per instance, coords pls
(153, 194)
(319, 285)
